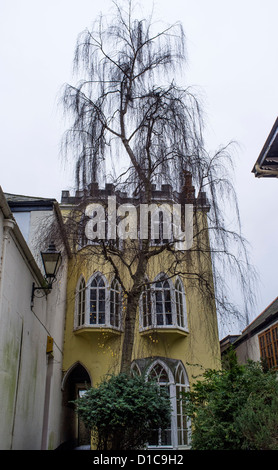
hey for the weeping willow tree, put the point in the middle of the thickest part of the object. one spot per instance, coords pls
(133, 125)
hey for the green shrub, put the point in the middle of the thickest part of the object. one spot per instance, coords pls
(234, 408)
(123, 411)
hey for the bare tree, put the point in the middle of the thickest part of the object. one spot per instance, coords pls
(134, 127)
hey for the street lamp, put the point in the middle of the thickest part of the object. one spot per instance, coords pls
(51, 259)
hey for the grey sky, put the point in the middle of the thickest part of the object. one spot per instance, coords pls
(232, 61)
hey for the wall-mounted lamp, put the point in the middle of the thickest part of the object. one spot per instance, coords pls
(51, 259)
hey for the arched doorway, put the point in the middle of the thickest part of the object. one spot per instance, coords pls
(75, 382)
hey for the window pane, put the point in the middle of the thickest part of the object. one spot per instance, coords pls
(168, 306)
(159, 319)
(158, 295)
(93, 318)
(93, 294)
(101, 318)
(101, 294)
(167, 295)
(169, 319)
(159, 307)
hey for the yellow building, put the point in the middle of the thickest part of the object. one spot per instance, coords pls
(176, 334)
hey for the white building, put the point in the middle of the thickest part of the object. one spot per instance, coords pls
(259, 341)
(31, 334)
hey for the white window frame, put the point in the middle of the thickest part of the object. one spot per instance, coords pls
(105, 300)
(182, 296)
(145, 306)
(116, 292)
(80, 297)
(183, 423)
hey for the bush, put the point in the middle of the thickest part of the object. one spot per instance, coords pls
(235, 408)
(123, 411)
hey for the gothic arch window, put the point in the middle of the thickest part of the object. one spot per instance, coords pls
(180, 304)
(159, 373)
(80, 302)
(163, 304)
(97, 305)
(175, 379)
(115, 304)
(97, 299)
(183, 425)
(163, 308)
(146, 305)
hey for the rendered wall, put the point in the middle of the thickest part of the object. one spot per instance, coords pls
(30, 380)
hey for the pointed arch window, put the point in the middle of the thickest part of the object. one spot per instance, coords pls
(163, 303)
(160, 437)
(172, 375)
(81, 302)
(183, 424)
(115, 304)
(180, 303)
(97, 305)
(146, 305)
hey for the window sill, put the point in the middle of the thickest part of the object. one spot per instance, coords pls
(172, 330)
(93, 329)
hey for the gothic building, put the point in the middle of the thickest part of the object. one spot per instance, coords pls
(176, 335)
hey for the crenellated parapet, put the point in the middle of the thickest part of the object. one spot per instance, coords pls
(160, 194)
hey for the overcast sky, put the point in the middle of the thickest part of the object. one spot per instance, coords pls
(232, 61)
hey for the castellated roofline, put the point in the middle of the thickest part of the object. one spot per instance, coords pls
(164, 194)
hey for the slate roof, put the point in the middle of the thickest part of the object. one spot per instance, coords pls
(19, 202)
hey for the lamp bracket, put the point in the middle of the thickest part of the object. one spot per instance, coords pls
(34, 288)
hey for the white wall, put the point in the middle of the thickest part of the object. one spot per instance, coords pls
(249, 349)
(30, 380)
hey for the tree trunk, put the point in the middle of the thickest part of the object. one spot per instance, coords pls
(129, 330)
(133, 298)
